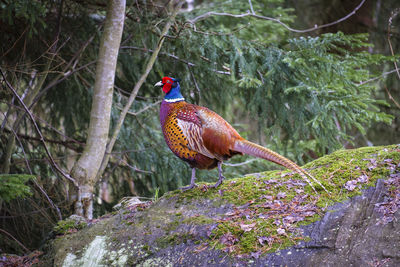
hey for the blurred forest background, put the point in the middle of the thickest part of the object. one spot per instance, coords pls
(303, 93)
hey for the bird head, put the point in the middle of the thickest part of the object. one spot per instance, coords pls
(167, 83)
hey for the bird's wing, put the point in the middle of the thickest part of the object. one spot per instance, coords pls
(191, 126)
(218, 135)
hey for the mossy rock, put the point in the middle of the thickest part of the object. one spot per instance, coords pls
(271, 218)
(70, 225)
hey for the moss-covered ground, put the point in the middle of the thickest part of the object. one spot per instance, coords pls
(269, 207)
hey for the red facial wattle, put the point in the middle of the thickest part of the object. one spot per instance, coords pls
(167, 84)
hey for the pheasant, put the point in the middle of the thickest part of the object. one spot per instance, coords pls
(204, 139)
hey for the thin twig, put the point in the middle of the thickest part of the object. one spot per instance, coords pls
(23, 150)
(58, 80)
(211, 32)
(16, 240)
(393, 15)
(134, 168)
(391, 97)
(142, 110)
(72, 140)
(16, 41)
(251, 7)
(67, 176)
(174, 57)
(48, 199)
(195, 83)
(66, 143)
(250, 14)
(377, 78)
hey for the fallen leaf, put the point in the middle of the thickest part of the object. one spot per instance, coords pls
(256, 254)
(247, 227)
(350, 185)
(268, 239)
(281, 195)
(281, 231)
(362, 179)
(228, 239)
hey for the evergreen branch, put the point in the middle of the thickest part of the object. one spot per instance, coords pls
(67, 176)
(253, 14)
(215, 33)
(190, 64)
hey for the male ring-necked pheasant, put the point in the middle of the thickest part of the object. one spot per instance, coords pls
(204, 139)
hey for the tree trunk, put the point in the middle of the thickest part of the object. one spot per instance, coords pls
(87, 166)
(132, 97)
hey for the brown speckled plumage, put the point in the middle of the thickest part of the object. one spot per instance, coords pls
(196, 134)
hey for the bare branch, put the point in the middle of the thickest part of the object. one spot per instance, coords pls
(142, 110)
(23, 150)
(251, 8)
(66, 143)
(391, 97)
(253, 14)
(38, 131)
(195, 82)
(134, 168)
(13, 45)
(190, 64)
(378, 77)
(393, 15)
(16, 240)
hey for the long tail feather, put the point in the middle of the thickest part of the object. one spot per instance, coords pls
(255, 150)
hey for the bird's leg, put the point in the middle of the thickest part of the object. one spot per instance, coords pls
(192, 183)
(220, 176)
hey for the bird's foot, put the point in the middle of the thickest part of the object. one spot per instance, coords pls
(219, 182)
(185, 188)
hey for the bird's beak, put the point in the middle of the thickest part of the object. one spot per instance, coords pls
(159, 84)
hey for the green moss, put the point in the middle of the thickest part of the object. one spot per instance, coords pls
(171, 226)
(174, 239)
(333, 171)
(198, 220)
(68, 226)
